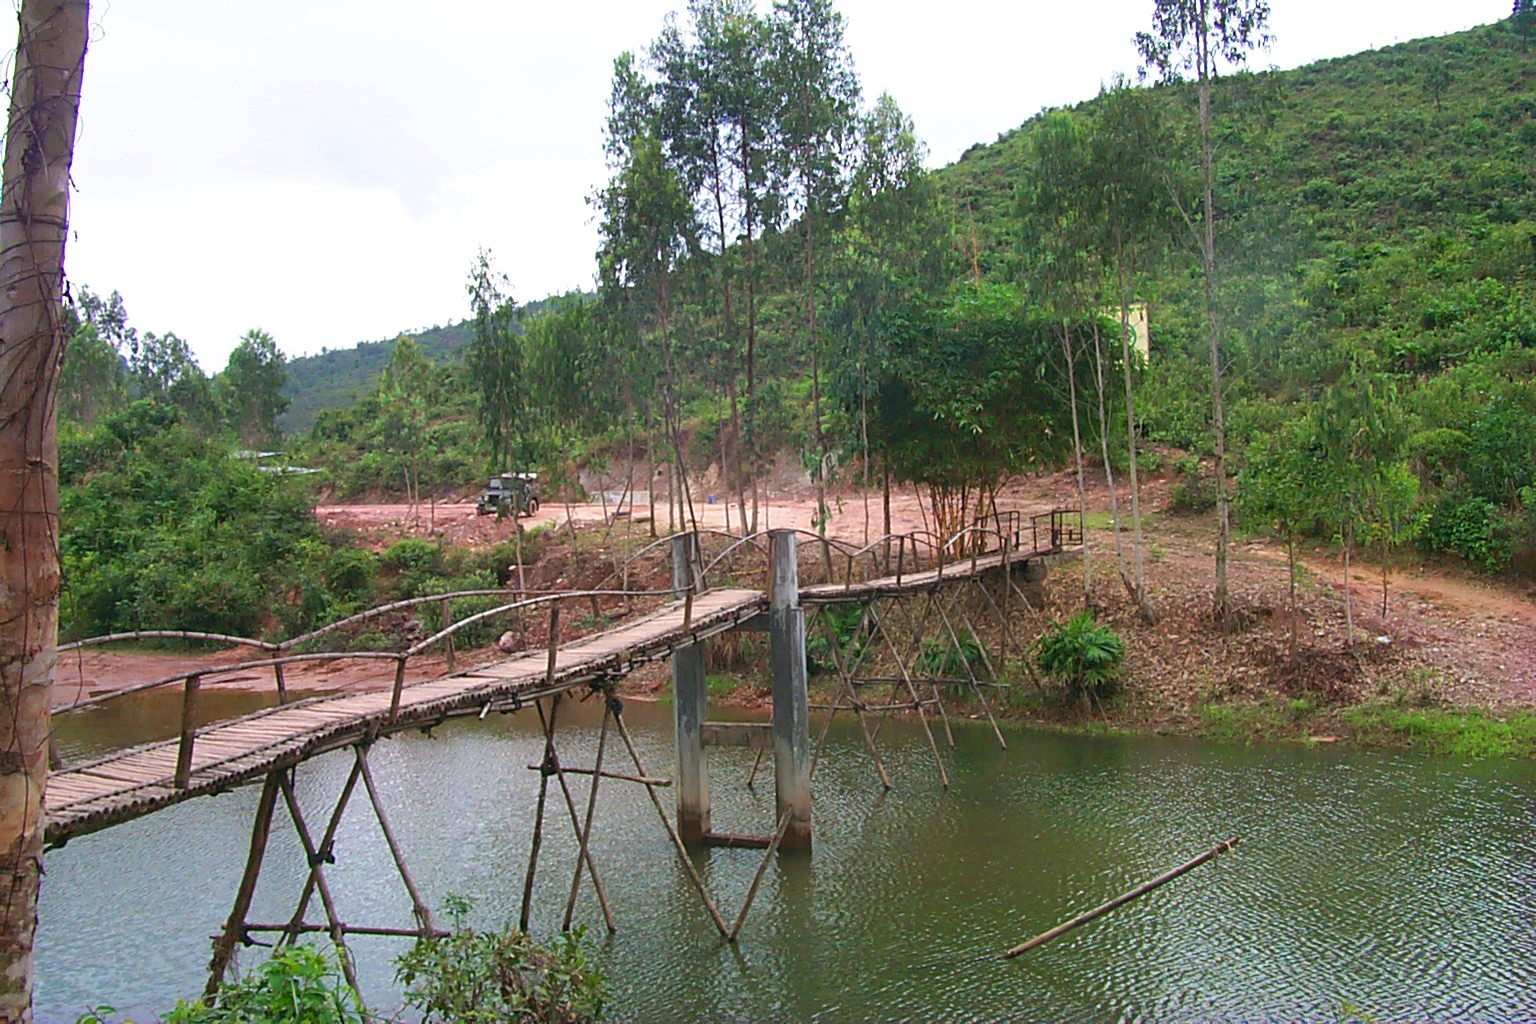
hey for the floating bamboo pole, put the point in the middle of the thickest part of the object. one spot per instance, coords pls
(1104, 908)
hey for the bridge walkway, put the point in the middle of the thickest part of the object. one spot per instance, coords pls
(129, 784)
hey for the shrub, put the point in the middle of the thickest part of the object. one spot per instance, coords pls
(1470, 528)
(1193, 490)
(298, 985)
(481, 977)
(1082, 655)
(948, 660)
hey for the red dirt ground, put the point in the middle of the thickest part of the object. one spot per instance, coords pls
(1472, 641)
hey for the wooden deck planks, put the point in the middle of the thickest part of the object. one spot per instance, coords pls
(89, 797)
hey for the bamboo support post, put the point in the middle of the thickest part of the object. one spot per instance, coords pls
(282, 686)
(425, 925)
(1104, 908)
(188, 730)
(584, 833)
(538, 815)
(970, 673)
(394, 696)
(235, 927)
(449, 652)
(757, 877)
(642, 780)
(912, 692)
(554, 643)
(323, 853)
(845, 685)
(757, 761)
(677, 843)
(337, 933)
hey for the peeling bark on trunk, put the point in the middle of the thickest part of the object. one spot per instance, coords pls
(34, 214)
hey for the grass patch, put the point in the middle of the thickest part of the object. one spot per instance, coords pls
(1456, 733)
(1247, 723)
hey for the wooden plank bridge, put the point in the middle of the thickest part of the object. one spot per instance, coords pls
(265, 745)
(129, 784)
(91, 796)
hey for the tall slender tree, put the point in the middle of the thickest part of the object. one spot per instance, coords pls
(716, 116)
(1202, 36)
(895, 252)
(46, 72)
(813, 75)
(495, 360)
(251, 388)
(648, 226)
(1135, 215)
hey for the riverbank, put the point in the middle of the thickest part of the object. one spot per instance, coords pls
(1449, 667)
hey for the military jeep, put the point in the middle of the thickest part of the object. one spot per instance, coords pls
(509, 494)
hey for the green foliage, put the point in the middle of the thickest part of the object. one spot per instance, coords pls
(1193, 489)
(250, 389)
(1452, 733)
(952, 658)
(297, 985)
(1468, 527)
(1082, 655)
(490, 977)
(163, 530)
(845, 621)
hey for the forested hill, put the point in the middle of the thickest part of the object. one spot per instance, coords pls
(1375, 149)
(336, 378)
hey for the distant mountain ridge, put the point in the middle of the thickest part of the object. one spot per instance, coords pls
(336, 378)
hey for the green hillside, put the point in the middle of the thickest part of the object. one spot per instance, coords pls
(336, 378)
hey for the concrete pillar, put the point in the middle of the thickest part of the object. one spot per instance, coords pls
(690, 703)
(791, 713)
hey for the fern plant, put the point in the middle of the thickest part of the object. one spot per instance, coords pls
(1081, 654)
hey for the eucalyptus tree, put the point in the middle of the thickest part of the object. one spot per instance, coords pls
(648, 226)
(716, 115)
(895, 252)
(162, 367)
(251, 389)
(404, 397)
(812, 73)
(1056, 207)
(1356, 431)
(92, 378)
(1202, 36)
(1135, 214)
(46, 70)
(495, 361)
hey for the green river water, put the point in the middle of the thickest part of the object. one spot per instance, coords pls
(1399, 885)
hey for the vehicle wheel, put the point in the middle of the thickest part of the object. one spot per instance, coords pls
(533, 506)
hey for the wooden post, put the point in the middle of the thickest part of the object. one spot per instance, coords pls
(418, 905)
(224, 945)
(690, 706)
(553, 644)
(448, 648)
(394, 696)
(188, 730)
(791, 721)
(282, 686)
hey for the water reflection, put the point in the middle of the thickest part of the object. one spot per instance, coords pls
(1398, 884)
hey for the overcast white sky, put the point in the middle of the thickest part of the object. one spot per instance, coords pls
(326, 169)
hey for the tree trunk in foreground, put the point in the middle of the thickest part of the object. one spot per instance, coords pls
(34, 208)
